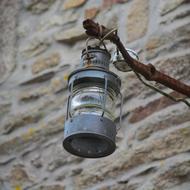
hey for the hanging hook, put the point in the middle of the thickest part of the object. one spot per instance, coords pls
(106, 35)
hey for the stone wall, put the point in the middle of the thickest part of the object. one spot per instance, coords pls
(40, 44)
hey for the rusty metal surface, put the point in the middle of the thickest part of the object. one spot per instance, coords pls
(148, 71)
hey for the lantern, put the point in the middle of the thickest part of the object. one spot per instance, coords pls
(90, 130)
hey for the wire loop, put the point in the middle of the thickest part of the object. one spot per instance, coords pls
(106, 35)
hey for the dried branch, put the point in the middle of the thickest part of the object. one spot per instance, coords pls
(148, 71)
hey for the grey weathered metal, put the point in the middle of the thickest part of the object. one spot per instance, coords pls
(91, 134)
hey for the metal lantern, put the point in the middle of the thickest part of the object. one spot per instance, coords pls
(90, 130)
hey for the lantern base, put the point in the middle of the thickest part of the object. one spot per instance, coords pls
(89, 136)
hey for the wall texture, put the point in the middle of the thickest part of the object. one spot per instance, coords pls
(40, 44)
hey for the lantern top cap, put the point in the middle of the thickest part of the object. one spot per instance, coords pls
(95, 57)
(95, 49)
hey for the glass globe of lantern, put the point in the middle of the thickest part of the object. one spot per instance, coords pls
(89, 99)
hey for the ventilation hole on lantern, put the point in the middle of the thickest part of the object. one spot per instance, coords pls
(99, 151)
(89, 145)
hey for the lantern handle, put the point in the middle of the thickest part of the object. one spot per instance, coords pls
(107, 34)
(92, 38)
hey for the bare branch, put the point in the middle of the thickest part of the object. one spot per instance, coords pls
(148, 71)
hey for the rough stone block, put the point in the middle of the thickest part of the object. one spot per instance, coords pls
(137, 20)
(166, 42)
(61, 158)
(13, 122)
(177, 67)
(163, 121)
(73, 3)
(168, 6)
(58, 84)
(173, 175)
(112, 22)
(70, 36)
(50, 187)
(109, 3)
(18, 175)
(37, 6)
(45, 63)
(35, 47)
(8, 23)
(142, 112)
(57, 20)
(39, 78)
(180, 15)
(134, 90)
(31, 95)
(91, 13)
(32, 137)
(4, 110)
